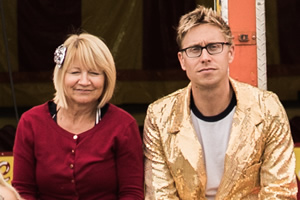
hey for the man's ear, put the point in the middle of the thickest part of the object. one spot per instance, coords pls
(231, 53)
(181, 60)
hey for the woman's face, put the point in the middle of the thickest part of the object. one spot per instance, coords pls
(83, 86)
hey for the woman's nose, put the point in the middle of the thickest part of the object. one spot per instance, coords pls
(84, 79)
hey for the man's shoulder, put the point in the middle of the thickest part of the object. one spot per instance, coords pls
(249, 89)
(170, 98)
(247, 93)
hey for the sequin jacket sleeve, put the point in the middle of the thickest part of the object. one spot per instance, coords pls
(259, 159)
(173, 155)
(277, 173)
(158, 180)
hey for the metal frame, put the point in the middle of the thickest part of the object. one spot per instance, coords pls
(261, 44)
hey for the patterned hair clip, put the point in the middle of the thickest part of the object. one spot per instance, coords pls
(59, 55)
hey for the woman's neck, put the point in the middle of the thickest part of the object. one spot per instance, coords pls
(77, 119)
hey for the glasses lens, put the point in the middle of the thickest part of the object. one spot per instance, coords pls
(193, 52)
(215, 48)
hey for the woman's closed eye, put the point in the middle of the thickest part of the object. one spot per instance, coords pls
(74, 72)
(93, 73)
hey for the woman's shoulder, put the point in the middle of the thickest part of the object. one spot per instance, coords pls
(118, 112)
(36, 112)
(38, 108)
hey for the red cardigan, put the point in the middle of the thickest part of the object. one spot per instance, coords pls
(105, 162)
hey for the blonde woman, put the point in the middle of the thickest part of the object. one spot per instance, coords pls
(78, 145)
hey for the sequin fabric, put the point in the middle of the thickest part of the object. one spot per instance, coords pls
(259, 161)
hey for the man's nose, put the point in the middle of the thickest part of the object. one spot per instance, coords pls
(205, 56)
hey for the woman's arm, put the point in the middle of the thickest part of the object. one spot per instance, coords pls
(24, 161)
(129, 158)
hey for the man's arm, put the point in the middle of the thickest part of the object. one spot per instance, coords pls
(278, 178)
(159, 183)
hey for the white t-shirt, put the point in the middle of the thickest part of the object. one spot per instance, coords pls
(213, 134)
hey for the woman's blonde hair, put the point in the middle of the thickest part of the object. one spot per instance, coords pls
(9, 189)
(201, 15)
(93, 53)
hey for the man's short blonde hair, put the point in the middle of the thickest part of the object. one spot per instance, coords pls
(92, 52)
(198, 16)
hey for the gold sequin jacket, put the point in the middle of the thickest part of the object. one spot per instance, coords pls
(259, 161)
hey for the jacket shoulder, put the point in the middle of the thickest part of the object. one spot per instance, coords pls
(252, 91)
(248, 95)
(169, 99)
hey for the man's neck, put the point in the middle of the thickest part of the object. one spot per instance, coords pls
(212, 101)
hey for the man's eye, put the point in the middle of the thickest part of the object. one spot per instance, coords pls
(213, 46)
(195, 49)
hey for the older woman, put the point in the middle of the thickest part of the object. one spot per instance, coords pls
(78, 145)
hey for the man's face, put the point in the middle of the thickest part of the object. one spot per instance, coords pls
(206, 71)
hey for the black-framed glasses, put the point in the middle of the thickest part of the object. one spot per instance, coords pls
(211, 48)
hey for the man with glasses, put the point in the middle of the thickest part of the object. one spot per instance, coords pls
(217, 138)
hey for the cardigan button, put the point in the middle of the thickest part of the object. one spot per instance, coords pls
(75, 137)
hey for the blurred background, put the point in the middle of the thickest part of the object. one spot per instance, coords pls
(141, 36)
